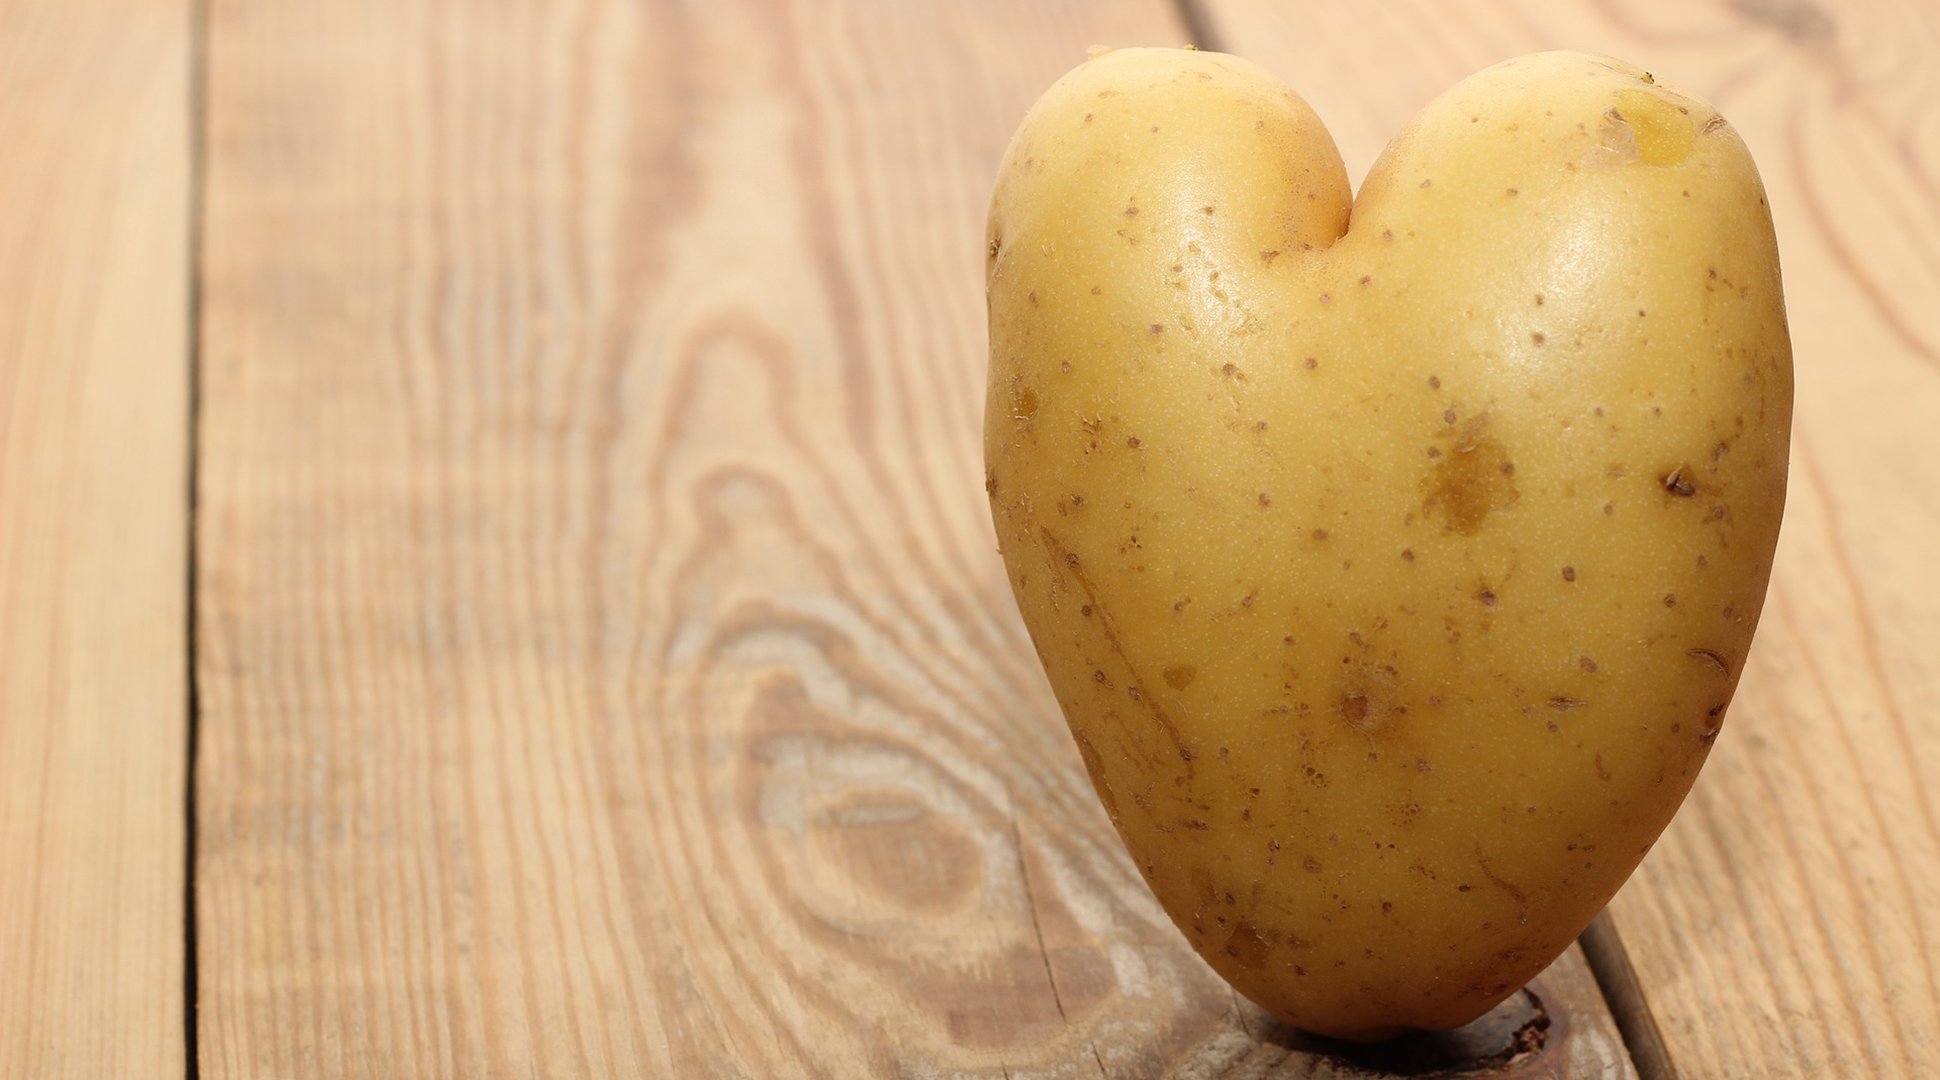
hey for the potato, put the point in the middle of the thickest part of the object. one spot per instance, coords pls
(1394, 579)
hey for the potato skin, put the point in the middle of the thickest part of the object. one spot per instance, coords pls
(1394, 580)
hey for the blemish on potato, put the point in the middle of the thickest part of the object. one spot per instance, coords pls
(1470, 484)
(1180, 676)
(1679, 484)
(1586, 664)
(1712, 657)
(1310, 363)
(1095, 766)
(1247, 948)
(1569, 573)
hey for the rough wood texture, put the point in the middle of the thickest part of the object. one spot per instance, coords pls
(1788, 924)
(606, 668)
(94, 404)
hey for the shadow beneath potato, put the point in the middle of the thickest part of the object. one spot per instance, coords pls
(1519, 1038)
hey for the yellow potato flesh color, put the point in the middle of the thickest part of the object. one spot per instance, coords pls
(1393, 579)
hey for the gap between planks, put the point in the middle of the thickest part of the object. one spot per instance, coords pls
(198, 152)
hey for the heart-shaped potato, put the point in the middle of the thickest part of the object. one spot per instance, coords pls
(1394, 578)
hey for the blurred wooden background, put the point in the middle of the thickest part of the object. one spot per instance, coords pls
(494, 579)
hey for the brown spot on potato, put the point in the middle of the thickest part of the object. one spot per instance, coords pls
(1434, 382)
(1407, 555)
(1586, 664)
(1180, 676)
(1310, 363)
(1320, 534)
(1353, 709)
(1247, 948)
(1569, 573)
(1312, 864)
(1565, 704)
(1679, 484)
(1473, 482)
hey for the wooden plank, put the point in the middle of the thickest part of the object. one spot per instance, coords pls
(605, 666)
(94, 514)
(1788, 924)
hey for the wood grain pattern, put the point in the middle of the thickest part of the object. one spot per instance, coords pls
(1788, 924)
(94, 419)
(606, 667)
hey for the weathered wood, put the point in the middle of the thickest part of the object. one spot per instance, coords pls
(1788, 924)
(94, 494)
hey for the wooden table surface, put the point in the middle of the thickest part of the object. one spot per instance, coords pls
(494, 576)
